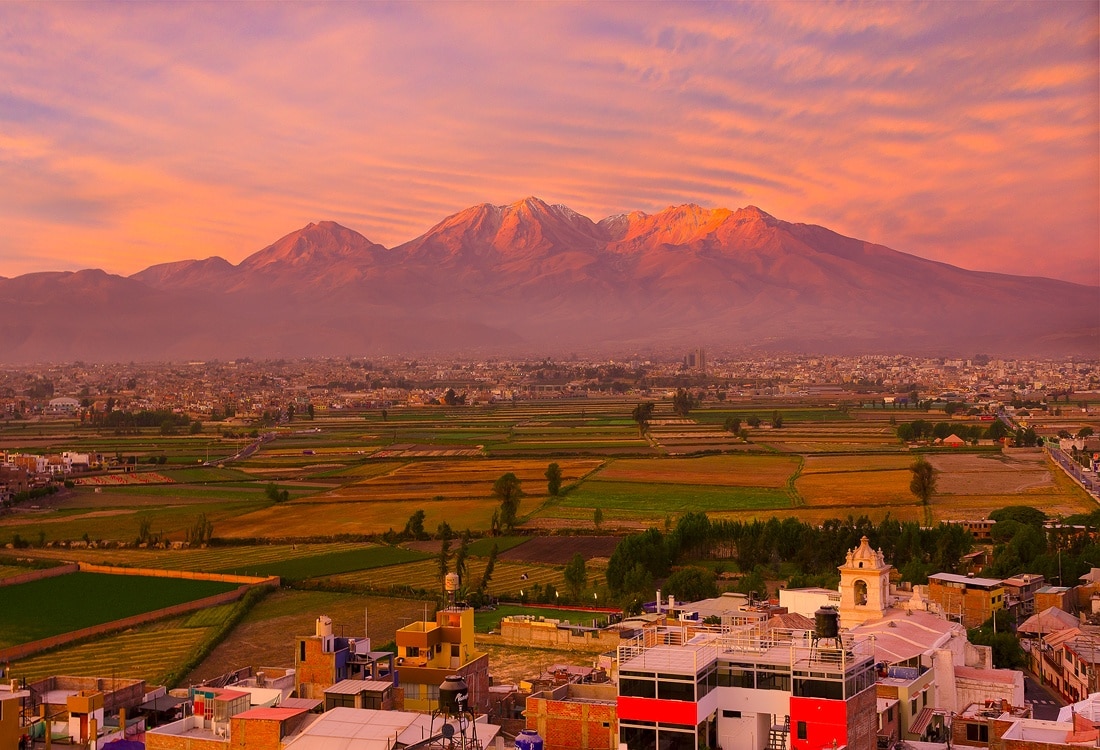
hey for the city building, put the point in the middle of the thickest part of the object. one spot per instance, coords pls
(428, 652)
(967, 599)
(323, 659)
(575, 716)
(746, 688)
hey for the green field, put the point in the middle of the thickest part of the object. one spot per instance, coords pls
(658, 499)
(484, 621)
(51, 606)
(332, 563)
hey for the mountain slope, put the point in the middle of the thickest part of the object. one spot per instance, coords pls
(543, 278)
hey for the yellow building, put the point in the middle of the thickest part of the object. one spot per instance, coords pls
(11, 726)
(427, 652)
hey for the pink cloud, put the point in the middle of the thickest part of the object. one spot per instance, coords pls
(136, 134)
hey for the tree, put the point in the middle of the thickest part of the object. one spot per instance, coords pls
(923, 483)
(202, 532)
(462, 554)
(553, 479)
(196, 427)
(777, 419)
(1084, 432)
(642, 413)
(1022, 514)
(414, 527)
(576, 576)
(597, 517)
(683, 402)
(310, 411)
(692, 584)
(444, 558)
(290, 412)
(507, 489)
(488, 574)
(275, 495)
(732, 425)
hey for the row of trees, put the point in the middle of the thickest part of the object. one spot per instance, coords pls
(800, 553)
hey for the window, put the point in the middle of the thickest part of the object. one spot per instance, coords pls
(636, 688)
(890, 713)
(773, 681)
(913, 705)
(301, 650)
(731, 714)
(977, 732)
(819, 689)
(675, 691)
(412, 651)
(638, 738)
(456, 650)
(412, 690)
(800, 728)
(861, 592)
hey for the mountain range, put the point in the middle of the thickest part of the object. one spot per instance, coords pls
(534, 278)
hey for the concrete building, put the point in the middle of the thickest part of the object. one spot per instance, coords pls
(323, 659)
(967, 599)
(745, 688)
(427, 652)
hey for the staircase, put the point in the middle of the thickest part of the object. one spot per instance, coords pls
(777, 738)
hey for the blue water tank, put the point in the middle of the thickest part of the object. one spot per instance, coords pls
(529, 739)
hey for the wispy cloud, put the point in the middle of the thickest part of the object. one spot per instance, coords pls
(138, 133)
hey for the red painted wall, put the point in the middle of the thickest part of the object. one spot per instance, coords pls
(826, 721)
(655, 709)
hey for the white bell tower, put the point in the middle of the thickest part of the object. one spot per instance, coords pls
(864, 585)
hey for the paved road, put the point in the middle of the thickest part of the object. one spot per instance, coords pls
(1087, 478)
(1044, 704)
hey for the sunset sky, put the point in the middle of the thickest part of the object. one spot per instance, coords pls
(144, 132)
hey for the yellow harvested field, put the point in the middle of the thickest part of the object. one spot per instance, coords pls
(834, 464)
(147, 653)
(857, 488)
(722, 471)
(454, 479)
(507, 578)
(955, 507)
(297, 520)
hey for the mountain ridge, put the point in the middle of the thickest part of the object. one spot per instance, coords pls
(530, 274)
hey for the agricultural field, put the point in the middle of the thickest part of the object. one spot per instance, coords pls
(509, 578)
(200, 559)
(152, 652)
(559, 550)
(62, 604)
(487, 620)
(296, 520)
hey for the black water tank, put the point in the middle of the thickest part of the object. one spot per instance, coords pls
(453, 695)
(826, 623)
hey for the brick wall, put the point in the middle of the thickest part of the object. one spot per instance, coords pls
(254, 734)
(572, 725)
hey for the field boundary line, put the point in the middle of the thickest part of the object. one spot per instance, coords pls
(85, 567)
(23, 650)
(38, 575)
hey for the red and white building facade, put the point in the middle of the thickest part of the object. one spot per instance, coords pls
(746, 688)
